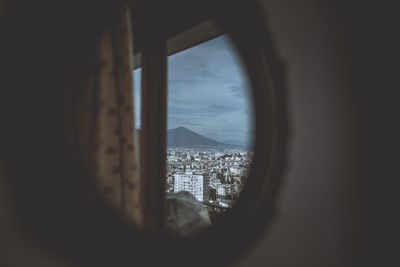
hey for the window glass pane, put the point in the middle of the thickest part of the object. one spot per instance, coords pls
(209, 126)
(137, 95)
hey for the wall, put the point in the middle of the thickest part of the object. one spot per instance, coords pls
(317, 223)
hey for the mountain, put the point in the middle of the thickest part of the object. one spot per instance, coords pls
(183, 137)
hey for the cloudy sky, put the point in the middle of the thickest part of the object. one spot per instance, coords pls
(208, 92)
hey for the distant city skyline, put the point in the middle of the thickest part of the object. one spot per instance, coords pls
(208, 92)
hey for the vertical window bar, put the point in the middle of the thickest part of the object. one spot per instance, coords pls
(153, 131)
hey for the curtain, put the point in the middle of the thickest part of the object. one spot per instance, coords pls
(106, 121)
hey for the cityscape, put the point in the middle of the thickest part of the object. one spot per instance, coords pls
(214, 173)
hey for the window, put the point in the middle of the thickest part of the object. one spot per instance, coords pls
(209, 125)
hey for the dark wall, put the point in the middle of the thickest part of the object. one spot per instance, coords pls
(339, 204)
(318, 221)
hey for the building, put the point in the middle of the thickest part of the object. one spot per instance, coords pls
(190, 182)
(206, 186)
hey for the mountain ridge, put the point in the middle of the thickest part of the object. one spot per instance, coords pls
(184, 137)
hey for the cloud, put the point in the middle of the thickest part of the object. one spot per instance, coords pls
(208, 91)
(192, 108)
(241, 90)
(192, 123)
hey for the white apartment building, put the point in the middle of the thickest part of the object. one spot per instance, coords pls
(192, 183)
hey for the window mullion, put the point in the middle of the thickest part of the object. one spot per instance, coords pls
(153, 131)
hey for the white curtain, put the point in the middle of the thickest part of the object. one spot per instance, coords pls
(106, 126)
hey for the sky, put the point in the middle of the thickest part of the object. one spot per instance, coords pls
(208, 92)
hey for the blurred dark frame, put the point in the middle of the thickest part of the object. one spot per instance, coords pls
(82, 229)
